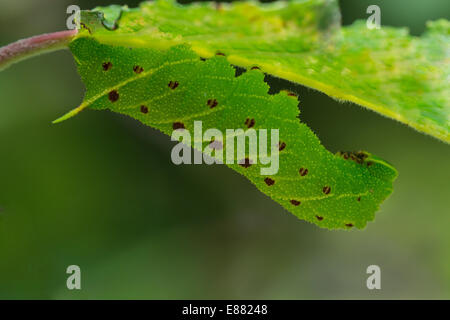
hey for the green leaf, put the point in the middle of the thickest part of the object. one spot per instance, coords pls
(169, 65)
(386, 70)
(172, 88)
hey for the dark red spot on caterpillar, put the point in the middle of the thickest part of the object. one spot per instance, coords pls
(106, 66)
(369, 163)
(303, 171)
(269, 181)
(295, 202)
(359, 199)
(178, 125)
(247, 163)
(255, 68)
(220, 53)
(144, 109)
(138, 69)
(282, 146)
(113, 96)
(250, 123)
(349, 225)
(326, 190)
(173, 84)
(291, 94)
(319, 218)
(212, 103)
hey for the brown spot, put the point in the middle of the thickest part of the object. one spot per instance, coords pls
(303, 171)
(255, 68)
(84, 26)
(106, 66)
(138, 69)
(178, 125)
(319, 218)
(269, 181)
(282, 146)
(250, 123)
(216, 145)
(173, 84)
(220, 53)
(349, 225)
(295, 202)
(359, 199)
(113, 96)
(326, 190)
(212, 103)
(362, 155)
(291, 94)
(247, 163)
(369, 163)
(144, 109)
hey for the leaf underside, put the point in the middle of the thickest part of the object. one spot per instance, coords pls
(164, 63)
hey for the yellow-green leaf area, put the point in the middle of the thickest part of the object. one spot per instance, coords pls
(386, 70)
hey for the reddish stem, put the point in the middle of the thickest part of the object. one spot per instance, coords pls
(33, 46)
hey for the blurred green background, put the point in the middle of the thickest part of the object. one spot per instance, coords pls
(100, 191)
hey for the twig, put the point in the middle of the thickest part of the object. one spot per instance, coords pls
(33, 46)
